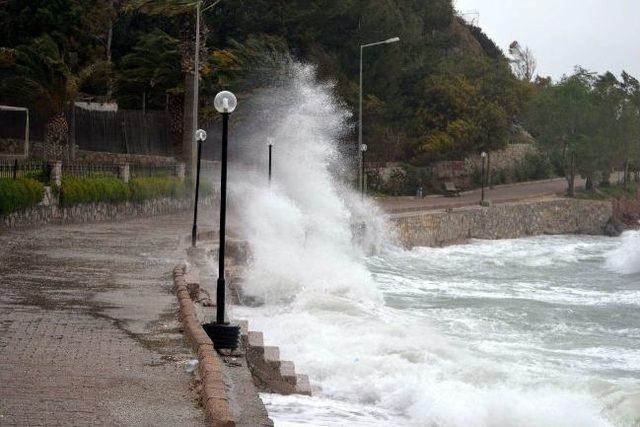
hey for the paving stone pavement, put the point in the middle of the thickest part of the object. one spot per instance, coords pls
(88, 331)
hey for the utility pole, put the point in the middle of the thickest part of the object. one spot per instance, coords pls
(196, 91)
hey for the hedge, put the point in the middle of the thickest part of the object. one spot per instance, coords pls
(19, 194)
(91, 190)
(156, 187)
(113, 190)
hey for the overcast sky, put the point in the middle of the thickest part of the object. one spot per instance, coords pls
(599, 35)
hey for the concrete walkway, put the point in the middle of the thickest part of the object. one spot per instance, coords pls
(499, 194)
(88, 330)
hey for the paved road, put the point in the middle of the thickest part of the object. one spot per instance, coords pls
(499, 194)
(88, 332)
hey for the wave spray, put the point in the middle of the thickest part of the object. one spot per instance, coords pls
(346, 318)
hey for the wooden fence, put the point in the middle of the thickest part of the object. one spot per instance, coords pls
(125, 131)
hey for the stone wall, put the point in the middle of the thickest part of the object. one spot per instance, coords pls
(135, 159)
(505, 221)
(94, 212)
(507, 159)
(627, 211)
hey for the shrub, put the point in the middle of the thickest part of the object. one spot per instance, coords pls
(42, 176)
(19, 194)
(156, 187)
(534, 167)
(112, 190)
(94, 189)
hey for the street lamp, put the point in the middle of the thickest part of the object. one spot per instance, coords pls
(223, 334)
(270, 157)
(201, 136)
(483, 156)
(363, 151)
(362, 48)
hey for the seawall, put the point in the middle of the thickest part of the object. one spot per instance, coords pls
(504, 221)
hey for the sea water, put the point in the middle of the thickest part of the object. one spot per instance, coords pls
(543, 331)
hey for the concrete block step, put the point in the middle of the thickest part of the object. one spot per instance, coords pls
(256, 339)
(244, 327)
(271, 374)
(303, 386)
(272, 354)
(288, 370)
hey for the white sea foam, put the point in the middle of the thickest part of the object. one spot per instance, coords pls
(626, 258)
(509, 333)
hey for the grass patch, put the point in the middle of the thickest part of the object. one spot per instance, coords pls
(610, 192)
(19, 194)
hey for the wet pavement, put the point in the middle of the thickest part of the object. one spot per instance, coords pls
(88, 328)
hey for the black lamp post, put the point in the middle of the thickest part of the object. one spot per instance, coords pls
(484, 156)
(223, 334)
(270, 157)
(201, 136)
(363, 150)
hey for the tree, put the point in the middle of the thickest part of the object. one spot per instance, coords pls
(37, 75)
(631, 120)
(522, 61)
(560, 117)
(154, 64)
(95, 37)
(592, 119)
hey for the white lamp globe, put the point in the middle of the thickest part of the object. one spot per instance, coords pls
(201, 135)
(363, 147)
(484, 154)
(225, 102)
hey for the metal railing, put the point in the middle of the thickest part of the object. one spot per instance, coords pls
(87, 170)
(143, 171)
(15, 169)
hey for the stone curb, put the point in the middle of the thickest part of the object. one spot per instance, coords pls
(214, 389)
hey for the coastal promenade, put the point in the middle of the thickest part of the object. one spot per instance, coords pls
(499, 194)
(88, 328)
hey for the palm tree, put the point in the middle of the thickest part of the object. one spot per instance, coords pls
(153, 66)
(37, 75)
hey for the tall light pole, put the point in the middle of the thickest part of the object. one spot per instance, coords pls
(363, 151)
(270, 157)
(362, 48)
(223, 334)
(482, 178)
(196, 84)
(201, 136)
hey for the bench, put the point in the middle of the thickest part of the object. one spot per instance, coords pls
(450, 190)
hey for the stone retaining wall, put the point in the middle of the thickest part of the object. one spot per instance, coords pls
(505, 221)
(94, 212)
(506, 159)
(137, 159)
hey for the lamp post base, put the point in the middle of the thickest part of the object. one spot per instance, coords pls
(224, 336)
